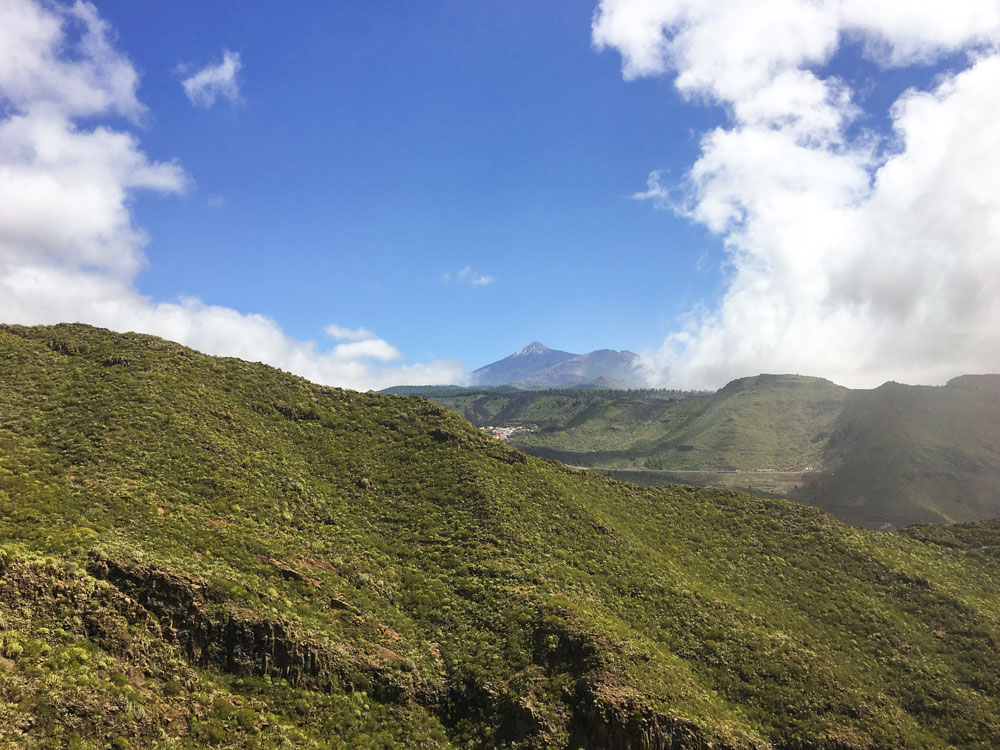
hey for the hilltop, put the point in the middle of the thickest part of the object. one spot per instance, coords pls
(198, 551)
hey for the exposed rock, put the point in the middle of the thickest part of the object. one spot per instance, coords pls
(605, 726)
(287, 571)
(212, 636)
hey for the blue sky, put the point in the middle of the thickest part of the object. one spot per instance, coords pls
(726, 188)
(379, 146)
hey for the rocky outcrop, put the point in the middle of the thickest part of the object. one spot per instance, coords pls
(603, 717)
(601, 725)
(210, 635)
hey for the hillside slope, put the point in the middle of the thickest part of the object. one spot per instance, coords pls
(202, 551)
(882, 458)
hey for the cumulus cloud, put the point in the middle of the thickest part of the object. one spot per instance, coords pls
(208, 84)
(469, 276)
(850, 254)
(34, 74)
(69, 248)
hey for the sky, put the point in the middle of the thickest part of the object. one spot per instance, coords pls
(370, 194)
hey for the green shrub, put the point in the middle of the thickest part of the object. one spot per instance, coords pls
(221, 708)
(12, 648)
(211, 731)
(246, 718)
(172, 688)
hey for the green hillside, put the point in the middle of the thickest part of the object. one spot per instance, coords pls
(765, 422)
(205, 552)
(883, 458)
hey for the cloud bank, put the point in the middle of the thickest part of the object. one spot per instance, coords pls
(208, 84)
(858, 256)
(69, 249)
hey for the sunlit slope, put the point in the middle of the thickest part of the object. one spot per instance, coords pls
(236, 554)
(763, 422)
(882, 458)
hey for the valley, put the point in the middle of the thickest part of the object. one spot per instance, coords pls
(881, 458)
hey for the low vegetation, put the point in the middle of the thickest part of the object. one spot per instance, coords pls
(206, 552)
(882, 458)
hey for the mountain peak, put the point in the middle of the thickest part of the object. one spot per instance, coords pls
(538, 366)
(535, 347)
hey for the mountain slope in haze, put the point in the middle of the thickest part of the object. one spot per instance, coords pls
(602, 364)
(524, 363)
(903, 454)
(989, 383)
(883, 458)
(538, 366)
(206, 552)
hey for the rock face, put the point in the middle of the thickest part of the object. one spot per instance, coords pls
(51, 614)
(211, 636)
(607, 726)
(538, 366)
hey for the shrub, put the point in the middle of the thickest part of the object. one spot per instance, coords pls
(211, 731)
(246, 718)
(221, 708)
(11, 648)
(172, 688)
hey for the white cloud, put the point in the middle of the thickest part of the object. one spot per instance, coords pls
(63, 189)
(69, 249)
(208, 84)
(861, 258)
(34, 75)
(348, 334)
(469, 276)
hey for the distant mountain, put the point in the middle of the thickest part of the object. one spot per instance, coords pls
(538, 366)
(528, 362)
